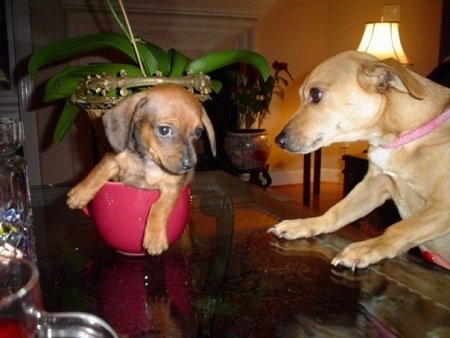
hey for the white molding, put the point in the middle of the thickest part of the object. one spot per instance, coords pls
(286, 177)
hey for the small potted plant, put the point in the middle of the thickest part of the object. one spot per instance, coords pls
(247, 146)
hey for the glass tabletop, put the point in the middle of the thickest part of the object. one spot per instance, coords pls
(226, 277)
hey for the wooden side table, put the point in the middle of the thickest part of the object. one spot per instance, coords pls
(307, 176)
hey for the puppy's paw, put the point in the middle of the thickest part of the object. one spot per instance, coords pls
(295, 228)
(362, 254)
(155, 242)
(78, 197)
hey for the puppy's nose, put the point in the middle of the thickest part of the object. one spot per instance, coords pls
(281, 139)
(187, 164)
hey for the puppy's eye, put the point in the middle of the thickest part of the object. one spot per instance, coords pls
(315, 95)
(198, 133)
(164, 130)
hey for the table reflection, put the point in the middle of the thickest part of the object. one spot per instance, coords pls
(226, 277)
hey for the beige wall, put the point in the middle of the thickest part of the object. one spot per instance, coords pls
(304, 32)
(300, 32)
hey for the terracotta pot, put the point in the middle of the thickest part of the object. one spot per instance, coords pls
(247, 149)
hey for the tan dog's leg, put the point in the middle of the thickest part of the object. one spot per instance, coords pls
(370, 193)
(398, 238)
(367, 195)
(155, 236)
(80, 195)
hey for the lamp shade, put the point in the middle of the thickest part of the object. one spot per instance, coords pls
(382, 39)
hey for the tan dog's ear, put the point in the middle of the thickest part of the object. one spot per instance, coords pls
(209, 130)
(118, 121)
(389, 73)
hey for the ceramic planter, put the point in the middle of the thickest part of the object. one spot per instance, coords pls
(247, 149)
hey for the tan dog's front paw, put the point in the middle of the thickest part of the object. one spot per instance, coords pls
(155, 242)
(362, 254)
(295, 228)
(78, 197)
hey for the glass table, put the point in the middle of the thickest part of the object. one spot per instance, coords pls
(226, 277)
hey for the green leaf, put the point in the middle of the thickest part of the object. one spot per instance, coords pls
(178, 63)
(216, 86)
(67, 49)
(215, 60)
(149, 62)
(64, 83)
(65, 121)
(161, 57)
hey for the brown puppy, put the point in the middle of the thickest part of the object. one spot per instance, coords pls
(152, 134)
(354, 96)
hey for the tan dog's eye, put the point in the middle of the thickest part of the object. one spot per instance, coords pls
(198, 133)
(164, 130)
(315, 95)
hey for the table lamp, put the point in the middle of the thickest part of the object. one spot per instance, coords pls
(382, 39)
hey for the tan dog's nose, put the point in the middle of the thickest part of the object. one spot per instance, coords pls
(281, 139)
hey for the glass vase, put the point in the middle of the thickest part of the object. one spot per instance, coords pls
(16, 230)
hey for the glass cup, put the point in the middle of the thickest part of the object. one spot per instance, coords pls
(22, 314)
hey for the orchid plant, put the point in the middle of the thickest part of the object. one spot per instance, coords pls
(147, 60)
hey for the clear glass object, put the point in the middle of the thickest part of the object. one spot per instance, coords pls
(22, 314)
(16, 230)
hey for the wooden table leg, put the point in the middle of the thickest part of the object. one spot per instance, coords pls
(307, 176)
(317, 167)
(306, 179)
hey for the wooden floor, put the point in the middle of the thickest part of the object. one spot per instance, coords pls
(330, 194)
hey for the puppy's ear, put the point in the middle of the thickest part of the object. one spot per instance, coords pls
(119, 121)
(389, 73)
(209, 130)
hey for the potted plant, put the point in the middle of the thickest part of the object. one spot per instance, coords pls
(247, 146)
(97, 87)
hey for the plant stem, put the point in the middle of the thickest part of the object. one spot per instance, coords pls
(131, 37)
(116, 18)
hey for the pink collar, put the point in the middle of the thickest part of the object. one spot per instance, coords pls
(420, 131)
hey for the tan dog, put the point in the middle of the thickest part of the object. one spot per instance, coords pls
(152, 134)
(354, 96)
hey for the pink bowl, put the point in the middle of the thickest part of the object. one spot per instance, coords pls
(119, 212)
